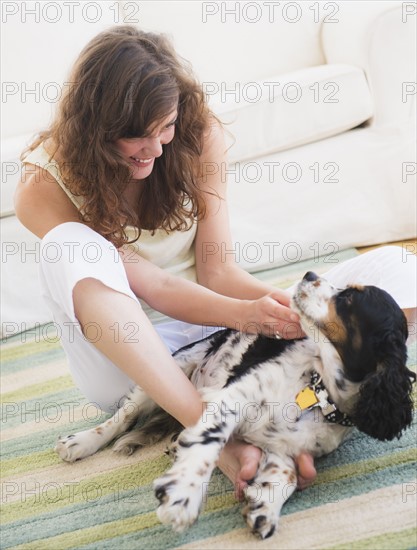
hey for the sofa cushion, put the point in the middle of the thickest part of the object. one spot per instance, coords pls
(21, 304)
(321, 198)
(291, 109)
(11, 149)
(281, 112)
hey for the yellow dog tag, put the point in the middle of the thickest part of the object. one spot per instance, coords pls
(306, 399)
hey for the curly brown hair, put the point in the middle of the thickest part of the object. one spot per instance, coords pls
(124, 82)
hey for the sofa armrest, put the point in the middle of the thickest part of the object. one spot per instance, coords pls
(380, 38)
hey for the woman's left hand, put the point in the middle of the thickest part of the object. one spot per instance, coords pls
(272, 316)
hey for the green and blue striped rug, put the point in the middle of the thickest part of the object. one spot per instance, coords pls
(364, 496)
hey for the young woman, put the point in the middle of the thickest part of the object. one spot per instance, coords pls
(117, 191)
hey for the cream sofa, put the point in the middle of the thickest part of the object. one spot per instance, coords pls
(320, 99)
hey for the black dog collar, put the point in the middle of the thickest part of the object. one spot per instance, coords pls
(316, 395)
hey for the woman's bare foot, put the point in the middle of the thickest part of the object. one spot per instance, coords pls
(306, 470)
(239, 461)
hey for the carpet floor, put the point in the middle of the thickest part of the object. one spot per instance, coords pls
(364, 496)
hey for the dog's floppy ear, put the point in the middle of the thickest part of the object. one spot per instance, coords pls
(385, 407)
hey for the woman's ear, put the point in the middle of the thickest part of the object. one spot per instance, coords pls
(385, 408)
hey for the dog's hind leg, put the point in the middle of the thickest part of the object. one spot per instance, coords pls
(88, 442)
(162, 424)
(273, 485)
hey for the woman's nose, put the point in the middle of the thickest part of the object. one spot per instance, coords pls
(153, 147)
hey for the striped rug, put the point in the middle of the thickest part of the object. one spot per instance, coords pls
(364, 496)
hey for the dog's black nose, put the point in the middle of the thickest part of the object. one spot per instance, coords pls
(310, 276)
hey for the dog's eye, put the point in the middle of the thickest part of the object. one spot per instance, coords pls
(346, 298)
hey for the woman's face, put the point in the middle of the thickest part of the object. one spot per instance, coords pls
(141, 152)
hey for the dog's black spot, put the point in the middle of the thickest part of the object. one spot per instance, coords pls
(271, 428)
(185, 444)
(260, 350)
(227, 411)
(214, 342)
(341, 383)
(217, 340)
(211, 439)
(256, 506)
(270, 532)
(270, 466)
(183, 501)
(226, 356)
(259, 522)
(235, 338)
(214, 429)
(210, 433)
(161, 492)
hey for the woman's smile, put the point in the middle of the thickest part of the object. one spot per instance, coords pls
(141, 163)
(141, 152)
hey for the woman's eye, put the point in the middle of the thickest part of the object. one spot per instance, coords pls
(132, 139)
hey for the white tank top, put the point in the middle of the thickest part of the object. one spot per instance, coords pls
(171, 251)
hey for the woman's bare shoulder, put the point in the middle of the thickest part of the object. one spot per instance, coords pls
(40, 203)
(214, 137)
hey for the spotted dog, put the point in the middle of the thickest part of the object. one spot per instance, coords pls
(284, 396)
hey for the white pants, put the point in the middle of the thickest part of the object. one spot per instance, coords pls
(71, 252)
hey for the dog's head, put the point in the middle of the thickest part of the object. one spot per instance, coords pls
(364, 330)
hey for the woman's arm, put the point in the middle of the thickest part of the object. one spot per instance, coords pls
(193, 303)
(178, 298)
(219, 271)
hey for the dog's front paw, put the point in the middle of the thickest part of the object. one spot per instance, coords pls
(75, 447)
(179, 504)
(261, 518)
